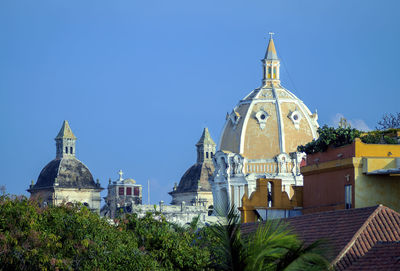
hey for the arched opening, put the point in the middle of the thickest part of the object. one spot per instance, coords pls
(210, 210)
(66, 149)
(207, 155)
(70, 150)
(270, 187)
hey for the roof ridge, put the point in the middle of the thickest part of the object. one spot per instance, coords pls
(343, 252)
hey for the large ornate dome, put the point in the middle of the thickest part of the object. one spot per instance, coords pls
(270, 120)
(260, 138)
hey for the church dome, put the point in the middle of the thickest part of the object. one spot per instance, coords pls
(65, 173)
(270, 120)
(196, 178)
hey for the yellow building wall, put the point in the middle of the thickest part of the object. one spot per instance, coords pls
(372, 164)
(259, 199)
(376, 150)
(372, 190)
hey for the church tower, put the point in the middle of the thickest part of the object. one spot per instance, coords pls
(205, 147)
(271, 65)
(194, 187)
(65, 142)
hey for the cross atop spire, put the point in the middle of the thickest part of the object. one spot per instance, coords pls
(270, 35)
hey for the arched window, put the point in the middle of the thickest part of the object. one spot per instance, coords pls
(212, 155)
(70, 150)
(270, 194)
(274, 73)
(206, 154)
(269, 72)
(66, 149)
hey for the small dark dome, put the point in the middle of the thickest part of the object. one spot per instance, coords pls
(196, 178)
(70, 173)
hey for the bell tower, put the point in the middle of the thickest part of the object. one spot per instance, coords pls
(205, 147)
(65, 142)
(271, 64)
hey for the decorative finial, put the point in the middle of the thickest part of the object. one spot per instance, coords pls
(120, 174)
(270, 35)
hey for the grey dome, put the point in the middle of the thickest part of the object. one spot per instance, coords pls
(70, 173)
(196, 178)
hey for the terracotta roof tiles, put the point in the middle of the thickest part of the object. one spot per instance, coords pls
(382, 256)
(349, 233)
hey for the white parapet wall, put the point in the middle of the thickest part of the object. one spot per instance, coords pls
(178, 214)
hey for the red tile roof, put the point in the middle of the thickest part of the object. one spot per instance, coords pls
(382, 256)
(349, 233)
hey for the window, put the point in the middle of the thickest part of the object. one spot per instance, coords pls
(269, 72)
(136, 191)
(347, 196)
(206, 154)
(121, 191)
(70, 150)
(66, 149)
(270, 195)
(274, 72)
(129, 191)
(212, 155)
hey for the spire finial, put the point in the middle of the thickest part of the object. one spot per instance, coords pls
(120, 174)
(271, 34)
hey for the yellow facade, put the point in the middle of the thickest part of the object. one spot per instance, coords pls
(381, 188)
(373, 170)
(259, 199)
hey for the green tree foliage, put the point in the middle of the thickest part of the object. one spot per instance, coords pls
(272, 247)
(336, 137)
(73, 238)
(329, 136)
(174, 247)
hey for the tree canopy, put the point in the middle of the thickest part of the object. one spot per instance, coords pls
(336, 137)
(73, 238)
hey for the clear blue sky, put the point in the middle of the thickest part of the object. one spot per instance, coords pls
(138, 80)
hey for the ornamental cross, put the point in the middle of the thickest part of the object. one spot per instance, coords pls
(270, 34)
(120, 174)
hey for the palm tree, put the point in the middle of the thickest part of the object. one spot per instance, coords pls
(272, 247)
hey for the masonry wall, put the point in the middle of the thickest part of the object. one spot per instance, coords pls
(372, 190)
(325, 191)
